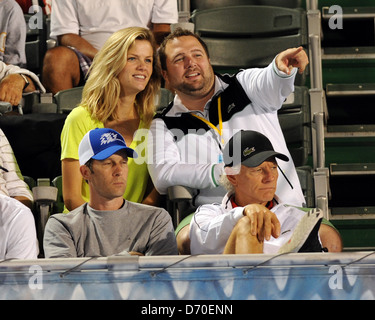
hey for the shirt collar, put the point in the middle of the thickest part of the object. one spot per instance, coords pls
(229, 204)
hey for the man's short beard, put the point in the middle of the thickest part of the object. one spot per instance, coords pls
(192, 90)
(189, 89)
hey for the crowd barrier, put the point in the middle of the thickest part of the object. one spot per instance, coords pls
(301, 276)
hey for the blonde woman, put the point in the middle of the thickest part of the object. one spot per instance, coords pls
(120, 91)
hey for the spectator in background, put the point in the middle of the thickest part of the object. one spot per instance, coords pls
(108, 225)
(82, 27)
(12, 33)
(14, 81)
(27, 4)
(11, 179)
(17, 231)
(119, 94)
(47, 6)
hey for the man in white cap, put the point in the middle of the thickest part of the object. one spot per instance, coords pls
(108, 225)
(251, 218)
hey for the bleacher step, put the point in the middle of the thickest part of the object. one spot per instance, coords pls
(357, 89)
(350, 13)
(346, 213)
(337, 169)
(352, 190)
(350, 131)
(348, 53)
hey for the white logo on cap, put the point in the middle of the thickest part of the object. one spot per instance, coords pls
(107, 138)
(248, 151)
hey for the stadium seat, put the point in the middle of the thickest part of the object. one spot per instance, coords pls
(179, 203)
(59, 204)
(165, 97)
(295, 121)
(211, 4)
(29, 181)
(67, 100)
(306, 178)
(249, 36)
(45, 195)
(36, 42)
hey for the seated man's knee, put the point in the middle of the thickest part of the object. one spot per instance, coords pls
(59, 58)
(241, 241)
(330, 238)
(183, 240)
(61, 69)
(243, 226)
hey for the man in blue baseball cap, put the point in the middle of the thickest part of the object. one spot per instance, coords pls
(100, 144)
(108, 225)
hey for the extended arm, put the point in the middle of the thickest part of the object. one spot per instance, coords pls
(292, 58)
(12, 83)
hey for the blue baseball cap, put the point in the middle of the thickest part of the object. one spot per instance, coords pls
(101, 143)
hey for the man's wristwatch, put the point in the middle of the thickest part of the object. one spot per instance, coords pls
(26, 81)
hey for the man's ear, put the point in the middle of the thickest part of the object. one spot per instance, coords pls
(164, 73)
(232, 179)
(85, 172)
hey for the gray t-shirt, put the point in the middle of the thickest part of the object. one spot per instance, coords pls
(85, 232)
(12, 33)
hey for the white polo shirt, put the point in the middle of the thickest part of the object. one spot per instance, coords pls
(96, 20)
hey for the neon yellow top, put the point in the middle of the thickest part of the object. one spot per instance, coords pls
(77, 124)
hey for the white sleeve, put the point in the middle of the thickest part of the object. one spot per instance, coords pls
(6, 69)
(165, 11)
(64, 18)
(267, 87)
(22, 241)
(11, 69)
(166, 167)
(211, 227)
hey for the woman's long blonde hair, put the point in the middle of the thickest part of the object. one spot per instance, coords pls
(102, 89)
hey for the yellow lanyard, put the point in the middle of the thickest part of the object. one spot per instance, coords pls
(220, 130)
